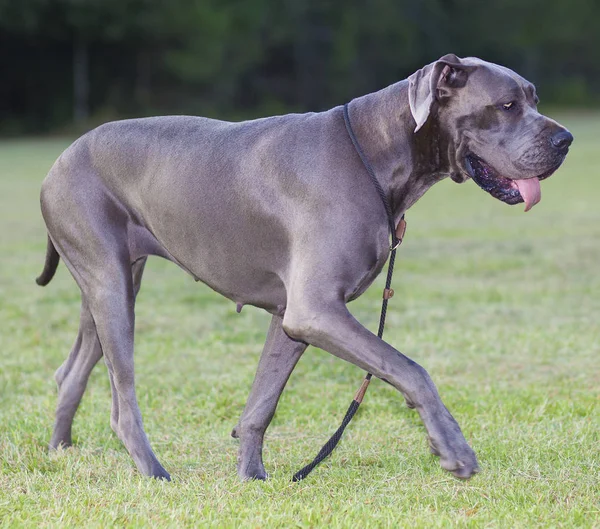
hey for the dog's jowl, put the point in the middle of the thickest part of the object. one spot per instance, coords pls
(280, 213)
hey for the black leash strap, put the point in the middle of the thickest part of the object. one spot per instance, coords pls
(397, 235)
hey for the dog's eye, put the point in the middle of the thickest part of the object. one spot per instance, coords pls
(508, 106)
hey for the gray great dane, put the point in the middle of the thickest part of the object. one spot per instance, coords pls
(280, 213)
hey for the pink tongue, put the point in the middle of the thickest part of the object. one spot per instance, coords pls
(530, 191)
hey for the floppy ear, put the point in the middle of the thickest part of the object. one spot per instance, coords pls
(435, 82)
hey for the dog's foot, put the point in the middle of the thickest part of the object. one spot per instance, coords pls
(158, 472)
(252, 472)
(249, 460)
(153, 469)
(150, 466)
(464, 467)
(249, 464)
(461, 461)
(58, 442)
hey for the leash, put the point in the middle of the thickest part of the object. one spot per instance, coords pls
(397, 236)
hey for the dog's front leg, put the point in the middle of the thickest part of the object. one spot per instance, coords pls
(278, 359)
(331, 327)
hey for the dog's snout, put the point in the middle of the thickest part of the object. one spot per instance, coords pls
(562, 140)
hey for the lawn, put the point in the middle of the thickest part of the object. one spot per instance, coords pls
(501, 307)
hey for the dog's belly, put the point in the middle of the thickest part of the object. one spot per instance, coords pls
(242, 281)
(247, 271)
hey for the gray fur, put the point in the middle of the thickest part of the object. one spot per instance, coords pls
(278, 213)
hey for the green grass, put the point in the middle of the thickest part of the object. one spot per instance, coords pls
(502, 308)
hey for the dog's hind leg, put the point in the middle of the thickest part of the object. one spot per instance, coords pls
(112, 306)
(278, 359)
(137, 271)
(92, 231)
(72, 377)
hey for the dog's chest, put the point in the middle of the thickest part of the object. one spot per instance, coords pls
(367, 275)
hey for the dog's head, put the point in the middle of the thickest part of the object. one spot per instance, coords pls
(494, 133)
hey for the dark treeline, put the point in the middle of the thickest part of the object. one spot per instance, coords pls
(87, 61)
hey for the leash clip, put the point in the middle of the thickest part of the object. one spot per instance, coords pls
(399, 235)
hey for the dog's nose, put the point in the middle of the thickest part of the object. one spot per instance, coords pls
(562, 139)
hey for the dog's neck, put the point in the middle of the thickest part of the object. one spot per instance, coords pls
(406, 164)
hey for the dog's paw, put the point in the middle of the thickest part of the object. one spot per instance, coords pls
(461, 469)
(60, 444)
(461, 461)
(252, 472)
(158, 472)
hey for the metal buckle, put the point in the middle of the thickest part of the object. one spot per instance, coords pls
(400, 231)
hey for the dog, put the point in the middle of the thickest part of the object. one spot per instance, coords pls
(280, 213)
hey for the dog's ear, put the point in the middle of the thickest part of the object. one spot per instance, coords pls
(435, 82)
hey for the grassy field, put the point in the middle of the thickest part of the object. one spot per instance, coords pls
(501, 307)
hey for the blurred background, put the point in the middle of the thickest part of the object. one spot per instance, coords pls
(72, 64)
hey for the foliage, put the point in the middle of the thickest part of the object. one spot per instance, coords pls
(241, 58)
(236, 58)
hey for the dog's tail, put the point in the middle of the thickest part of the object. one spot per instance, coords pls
(50, 266)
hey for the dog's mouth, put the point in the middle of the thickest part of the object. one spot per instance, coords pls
(510, 191)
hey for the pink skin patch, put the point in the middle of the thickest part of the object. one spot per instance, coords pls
(530, 191)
